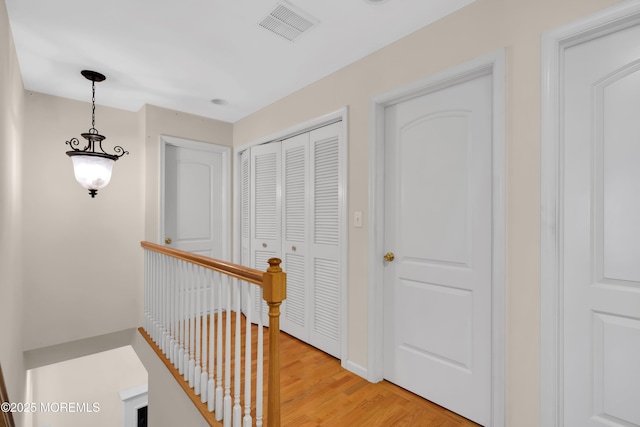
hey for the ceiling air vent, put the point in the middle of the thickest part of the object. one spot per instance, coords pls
(288, 21)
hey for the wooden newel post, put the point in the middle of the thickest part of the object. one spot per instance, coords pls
(274, 292)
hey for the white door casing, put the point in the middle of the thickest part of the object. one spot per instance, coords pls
(590, 306)
(195, 196)
(133, 399)
(490, 68)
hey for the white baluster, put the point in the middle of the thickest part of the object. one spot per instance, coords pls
(247, 359)
(163, 307)
(158, 281)
(219, 392)
(158, 287)
(212, 326)
(192, 325)
(146, 290)
(227, 355)
(152, 298)
(197, 371)
(179, 292)
(186, 319)
(161, 283)
(155, 299)
(259, 365)
(169, 319)
(176, 320)
(183, 317)
(237, 409)
(205, 320)
(172, 311)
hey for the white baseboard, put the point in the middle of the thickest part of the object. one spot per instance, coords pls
(357, 369)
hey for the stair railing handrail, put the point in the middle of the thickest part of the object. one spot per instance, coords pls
(273, 283)
(230, 269)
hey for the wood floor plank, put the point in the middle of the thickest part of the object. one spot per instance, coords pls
(317, 391)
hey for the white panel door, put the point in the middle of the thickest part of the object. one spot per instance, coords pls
(438, 225)
(194, 202)
(600, 217)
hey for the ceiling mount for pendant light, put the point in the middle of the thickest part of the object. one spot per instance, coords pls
(92, 165)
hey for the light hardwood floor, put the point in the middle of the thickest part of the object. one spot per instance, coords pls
(316, 391)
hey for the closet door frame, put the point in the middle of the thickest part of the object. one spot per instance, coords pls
(307, 126)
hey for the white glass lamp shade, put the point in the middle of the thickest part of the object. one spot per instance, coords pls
(92, 171)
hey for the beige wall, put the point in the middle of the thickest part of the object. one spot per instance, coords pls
(481, 28)
(160, 121)
(95, 379)
(88, 279)
(11, 295)
(82, 262)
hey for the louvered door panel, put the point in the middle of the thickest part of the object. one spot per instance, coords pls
(326, 277)
(295, 214)
(245, 197)
(294, 317)
(266, 196)
(265, 208)
(245, 226)
(325, 197)
(324, 248)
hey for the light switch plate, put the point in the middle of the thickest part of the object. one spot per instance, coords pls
(357, 219)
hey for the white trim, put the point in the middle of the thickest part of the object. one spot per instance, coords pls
(493, 64)
(355, 368)
(554, 43)
(309, 125)
(226, 182)
(133, 399)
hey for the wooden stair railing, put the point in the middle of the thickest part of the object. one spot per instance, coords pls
(190, 303)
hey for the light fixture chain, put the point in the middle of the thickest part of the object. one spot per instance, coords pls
(93, 105)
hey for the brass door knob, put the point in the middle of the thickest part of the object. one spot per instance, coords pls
(389, 256)
(168, 240)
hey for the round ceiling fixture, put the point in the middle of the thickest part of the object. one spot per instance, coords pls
(219, 101)
(375, 1)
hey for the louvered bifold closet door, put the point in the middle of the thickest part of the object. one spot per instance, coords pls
(295, 227)
(245, 223)
(325, 240)
(265, 211)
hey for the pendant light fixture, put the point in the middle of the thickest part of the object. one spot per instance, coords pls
(92, 166)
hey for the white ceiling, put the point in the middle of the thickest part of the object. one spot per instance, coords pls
(182, 54)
